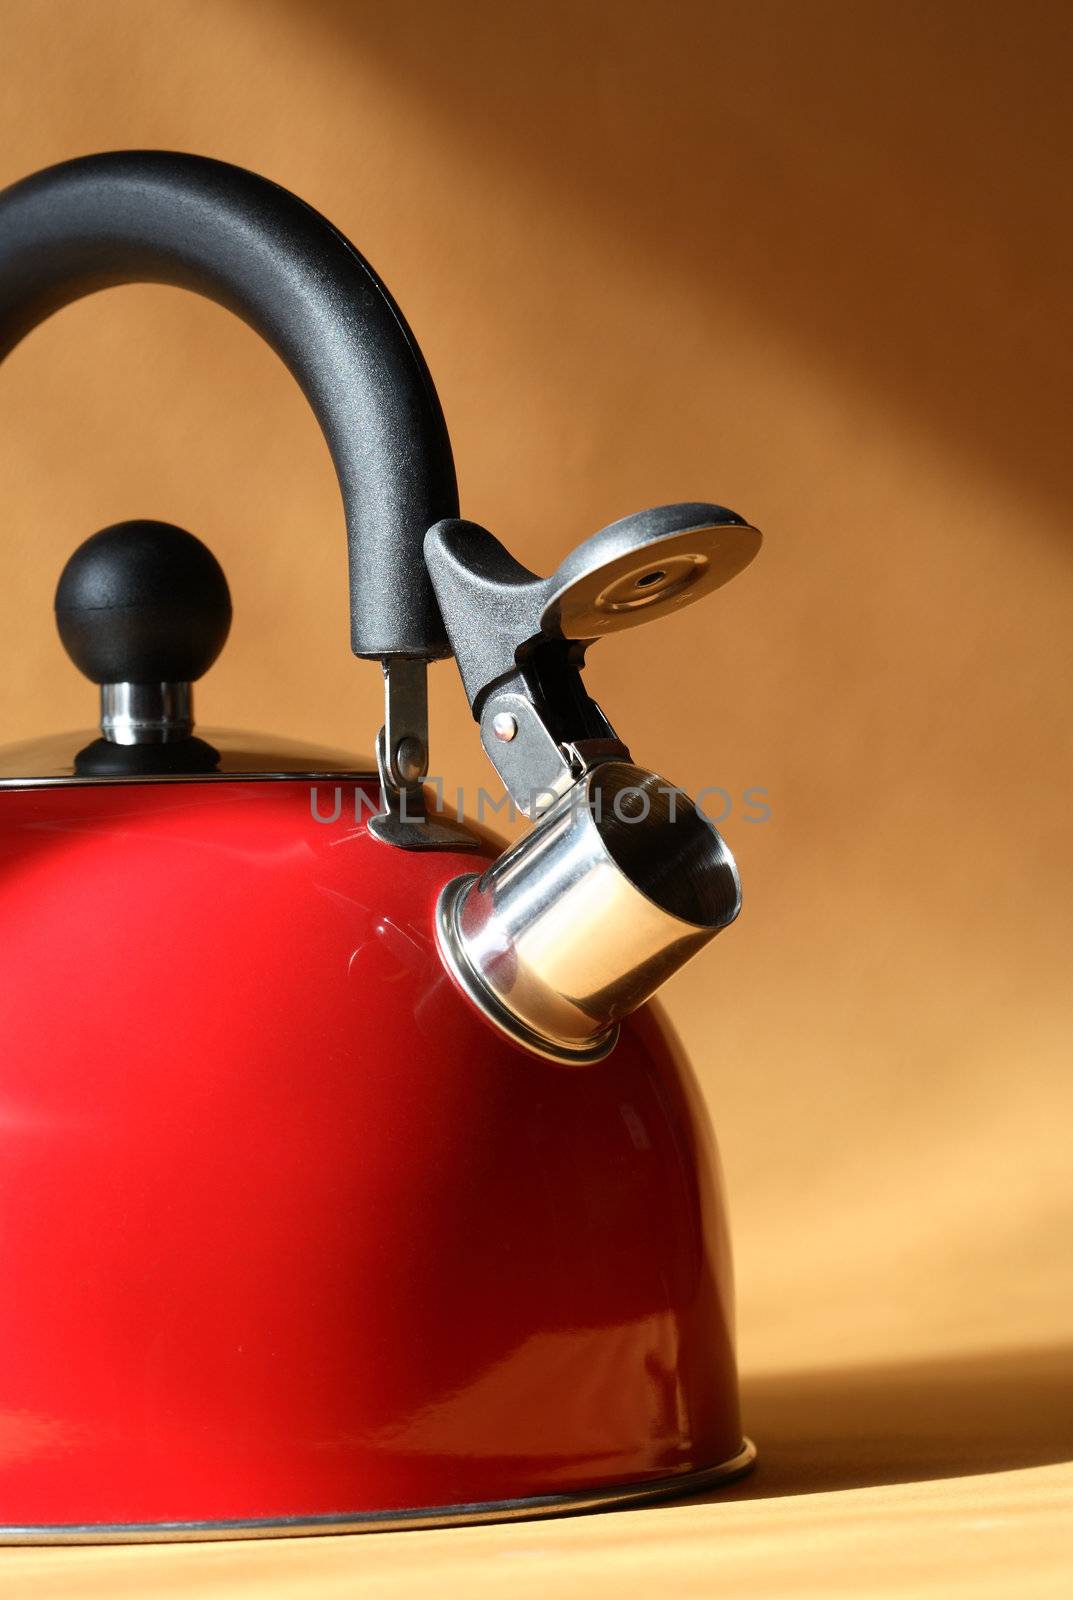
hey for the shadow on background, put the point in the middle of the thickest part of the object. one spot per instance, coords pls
(882, 187)
(905, 1424)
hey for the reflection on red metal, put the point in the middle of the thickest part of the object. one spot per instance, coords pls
(286, 1229)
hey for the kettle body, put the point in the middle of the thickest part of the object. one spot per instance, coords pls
(292, 1240)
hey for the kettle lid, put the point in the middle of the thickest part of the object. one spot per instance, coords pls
(51, 761)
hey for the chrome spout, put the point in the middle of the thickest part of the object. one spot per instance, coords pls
(621, 883)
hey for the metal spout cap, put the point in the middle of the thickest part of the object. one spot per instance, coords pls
(620, 884)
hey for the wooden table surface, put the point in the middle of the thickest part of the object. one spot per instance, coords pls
(934, 1480)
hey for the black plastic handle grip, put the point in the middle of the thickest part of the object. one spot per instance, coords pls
(150, 216)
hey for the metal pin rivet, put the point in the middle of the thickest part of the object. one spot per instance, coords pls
(504, 726)
(410, 759)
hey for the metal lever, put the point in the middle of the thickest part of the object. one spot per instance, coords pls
(520, 640)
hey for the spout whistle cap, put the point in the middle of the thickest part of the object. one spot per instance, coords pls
(581, 921)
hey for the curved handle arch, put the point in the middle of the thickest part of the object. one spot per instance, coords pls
(153, 216)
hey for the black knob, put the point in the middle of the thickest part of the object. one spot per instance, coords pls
(143, 602)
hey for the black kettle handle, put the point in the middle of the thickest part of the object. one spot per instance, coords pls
(150, 216)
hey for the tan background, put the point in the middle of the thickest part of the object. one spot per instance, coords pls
(809, 259)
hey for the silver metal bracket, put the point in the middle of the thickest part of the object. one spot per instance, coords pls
(402, 760)
(405, 730)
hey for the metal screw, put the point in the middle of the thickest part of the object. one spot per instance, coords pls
(410, 759)
(504, 726)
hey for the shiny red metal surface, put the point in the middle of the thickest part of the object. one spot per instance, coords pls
(286, 1229)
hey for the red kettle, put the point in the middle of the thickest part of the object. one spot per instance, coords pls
(349, 1179)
